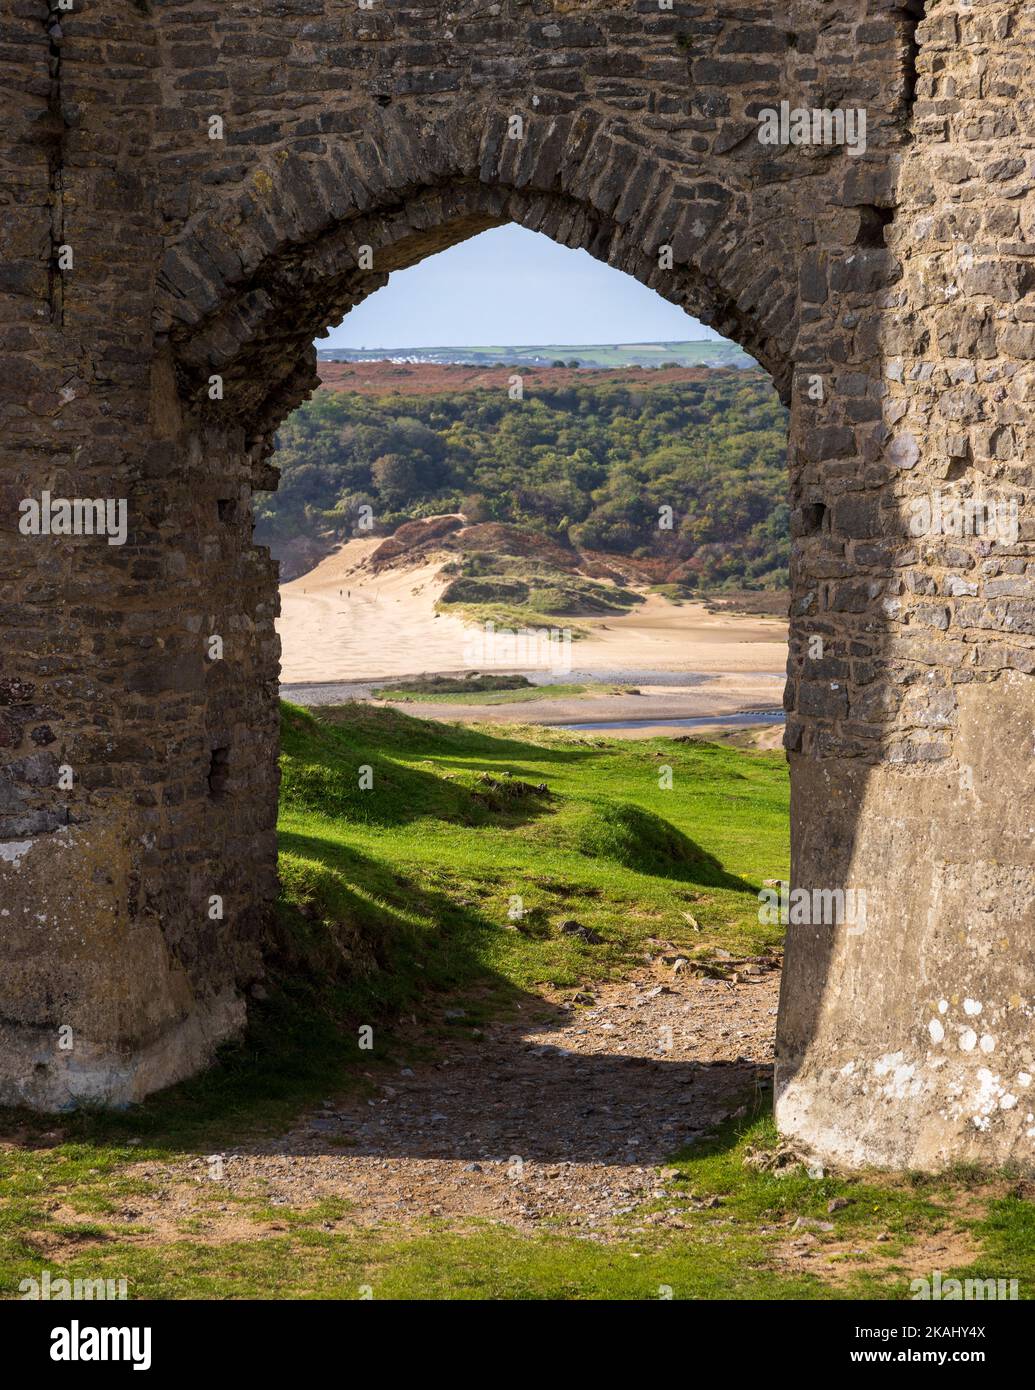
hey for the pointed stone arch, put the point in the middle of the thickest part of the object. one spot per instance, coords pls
(254, 278)
(889, 292)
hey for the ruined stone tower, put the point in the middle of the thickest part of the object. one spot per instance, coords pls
(185, 189)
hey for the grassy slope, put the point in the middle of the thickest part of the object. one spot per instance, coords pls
(518, 592)
(404, 888)
(566, 852)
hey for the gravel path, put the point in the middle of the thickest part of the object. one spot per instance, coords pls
(565, 1111)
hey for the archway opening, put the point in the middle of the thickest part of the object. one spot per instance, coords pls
(534, 592)
(257, 327)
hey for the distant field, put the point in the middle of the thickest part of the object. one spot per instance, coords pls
(685, 354)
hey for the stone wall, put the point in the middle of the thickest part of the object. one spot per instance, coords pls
(910, 1042)
(886, 290)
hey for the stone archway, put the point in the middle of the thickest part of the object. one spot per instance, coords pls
(885, 289)
(250, 283)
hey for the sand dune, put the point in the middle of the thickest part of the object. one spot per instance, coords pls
(340, 622)
(343, 622)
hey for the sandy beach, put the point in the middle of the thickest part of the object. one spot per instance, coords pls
(343, 622)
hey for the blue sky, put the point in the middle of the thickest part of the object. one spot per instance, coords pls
(512, 287)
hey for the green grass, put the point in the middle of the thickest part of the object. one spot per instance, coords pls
(444, 852)
(734, 1225)
(471, 688)
(399, 892)
(530, 695)
(517, 592)
(513, 617)
(471, 683)
(549, 593)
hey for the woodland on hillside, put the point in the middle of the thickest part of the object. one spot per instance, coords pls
(594, 464)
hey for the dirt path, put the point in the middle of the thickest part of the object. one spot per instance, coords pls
(563, 1112)
(558, 1118)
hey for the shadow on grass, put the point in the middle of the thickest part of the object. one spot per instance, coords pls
(506, 1096)
(356, 942)
(409, 734)
(348, 952)
(374, 789)
(354, 949)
